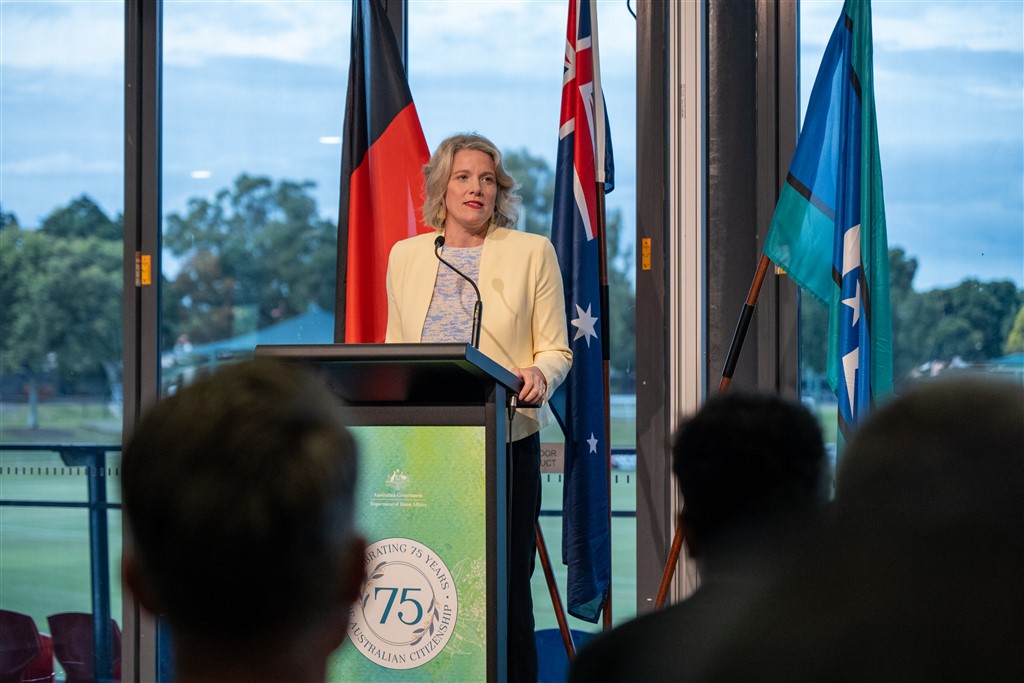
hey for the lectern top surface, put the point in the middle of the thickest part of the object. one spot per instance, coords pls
(378, 373)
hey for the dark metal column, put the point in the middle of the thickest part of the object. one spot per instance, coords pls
(653, 527)
(751, 136)
(94, 461)
(142, 268)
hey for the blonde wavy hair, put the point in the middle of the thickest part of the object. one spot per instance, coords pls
(438, 171)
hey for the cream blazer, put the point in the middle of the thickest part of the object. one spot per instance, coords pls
(523, 320)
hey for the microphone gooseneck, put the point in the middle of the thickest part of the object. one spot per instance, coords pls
(478, 309)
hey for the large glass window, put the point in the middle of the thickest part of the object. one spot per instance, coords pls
(253, 107)
(61, 203)
(497, 70)
(948, 84)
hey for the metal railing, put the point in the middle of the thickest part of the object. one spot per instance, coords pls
(91, 457)
(621, 456)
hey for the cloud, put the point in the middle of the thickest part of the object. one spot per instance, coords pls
(1003, 97)
(294, 32)
(87, 37)
(460, 37)
(922, 107)
(84, 38)
(81, 38)
(978, 240)
(973, 25)
(59, 164)
(938, 96)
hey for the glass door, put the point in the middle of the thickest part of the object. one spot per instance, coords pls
(61, 205)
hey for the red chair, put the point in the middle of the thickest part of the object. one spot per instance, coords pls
(73, 645)
(19, 645)
(40, 669)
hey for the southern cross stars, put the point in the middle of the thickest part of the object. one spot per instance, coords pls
(585, 324)
(854, 303)
(851, 362)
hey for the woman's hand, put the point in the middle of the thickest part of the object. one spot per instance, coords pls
(535, 386)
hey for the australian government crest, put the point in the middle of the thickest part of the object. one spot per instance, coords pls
(406, 613)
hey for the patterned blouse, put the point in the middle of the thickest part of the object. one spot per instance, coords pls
(450, 316)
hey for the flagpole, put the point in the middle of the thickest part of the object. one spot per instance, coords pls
(545, 561)
(556, 600)
(743, 323)
(584, 159)
(602, 261)
(735, 345)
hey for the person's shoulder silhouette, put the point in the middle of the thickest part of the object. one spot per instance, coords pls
(921, 575)
(238, 495)
(750, 468)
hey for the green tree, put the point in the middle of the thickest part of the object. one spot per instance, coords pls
(908, 310)
(82, 217)
(813, 334)
(1015, 340)
(905, 305)
(536, 186)
(61, 303)
(258, 250)
(973, 319)
(622, 307)
(7, 219)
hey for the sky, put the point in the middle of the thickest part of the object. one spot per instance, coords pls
(259, 87)
(949, 91)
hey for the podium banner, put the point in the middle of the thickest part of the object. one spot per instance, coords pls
(422, 504)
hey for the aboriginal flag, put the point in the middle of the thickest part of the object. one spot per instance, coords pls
(382, 158)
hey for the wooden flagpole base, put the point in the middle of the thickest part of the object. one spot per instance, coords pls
(556, 600)
(730, 366)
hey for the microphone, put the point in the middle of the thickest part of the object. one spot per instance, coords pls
(478, 309)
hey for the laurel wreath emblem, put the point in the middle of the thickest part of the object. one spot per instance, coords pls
(376, 573)
(407, 607)
(428, 628)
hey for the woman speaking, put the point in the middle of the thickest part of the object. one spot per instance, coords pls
(471, 203)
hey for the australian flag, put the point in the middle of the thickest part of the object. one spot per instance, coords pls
(584, 163)
(828, 231)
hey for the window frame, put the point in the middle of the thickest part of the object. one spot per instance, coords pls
(667, 386)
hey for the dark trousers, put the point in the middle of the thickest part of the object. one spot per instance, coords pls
(524, 507)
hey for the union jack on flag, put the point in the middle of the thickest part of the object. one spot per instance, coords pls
(584, 160)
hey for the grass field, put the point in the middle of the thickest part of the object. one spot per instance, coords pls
(44, 552)
(623, 542)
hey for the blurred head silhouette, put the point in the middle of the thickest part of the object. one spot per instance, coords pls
(749, 467)
(747, 460)
(921, 577)
(238, 500)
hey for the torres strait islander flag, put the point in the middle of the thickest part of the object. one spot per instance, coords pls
(382, 158)
(584, 160)
(828, 231)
